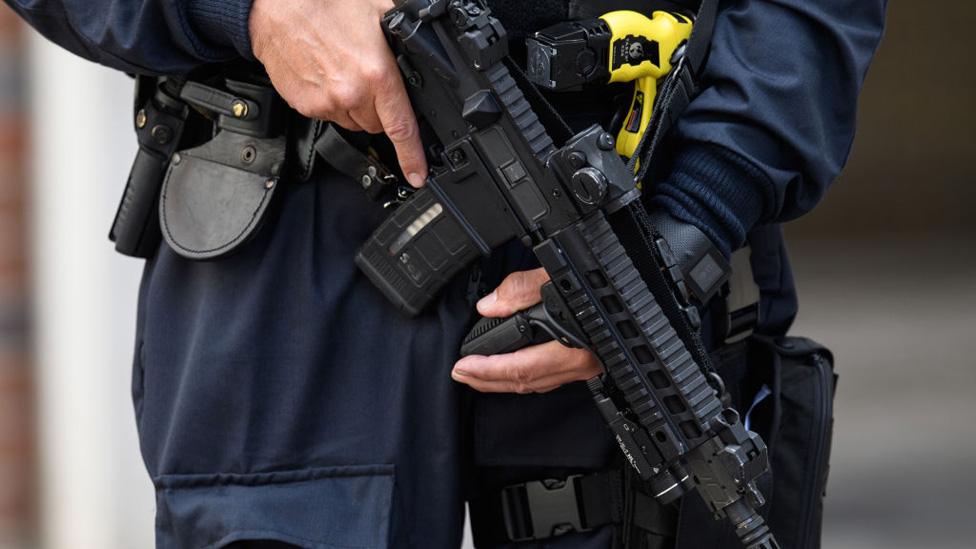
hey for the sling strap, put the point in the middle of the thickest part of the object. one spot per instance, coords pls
(678, 89)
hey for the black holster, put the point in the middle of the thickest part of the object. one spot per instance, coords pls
(211, 152)
(160, 120)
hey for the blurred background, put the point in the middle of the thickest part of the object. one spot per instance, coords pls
(886, 269)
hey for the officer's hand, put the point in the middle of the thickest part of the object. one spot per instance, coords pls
(536, 369)
(329, 60)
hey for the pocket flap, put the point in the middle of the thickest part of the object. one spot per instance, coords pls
(322, 508)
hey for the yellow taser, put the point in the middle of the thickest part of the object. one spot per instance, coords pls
(642, 51)
(620, 46)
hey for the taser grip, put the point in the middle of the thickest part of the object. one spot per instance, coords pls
(638, 117)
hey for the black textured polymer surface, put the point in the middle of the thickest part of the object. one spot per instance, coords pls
(521, 17)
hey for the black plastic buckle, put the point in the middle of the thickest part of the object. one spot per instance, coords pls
(742, 313)
(543, 509)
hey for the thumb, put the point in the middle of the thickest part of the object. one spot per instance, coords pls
(519, 290)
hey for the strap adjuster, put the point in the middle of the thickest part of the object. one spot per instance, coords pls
(542, 509)
(742, 303)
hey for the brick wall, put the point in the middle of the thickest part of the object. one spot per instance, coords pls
(16, 433)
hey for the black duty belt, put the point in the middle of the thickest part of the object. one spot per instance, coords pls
(543, 509)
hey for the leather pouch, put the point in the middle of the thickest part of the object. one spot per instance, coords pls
(215, 196)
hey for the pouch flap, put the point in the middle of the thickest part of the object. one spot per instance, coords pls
(320, 508)
(215, 196)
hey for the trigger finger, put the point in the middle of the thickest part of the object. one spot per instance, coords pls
(367, 120)
(400, 124)
(345, 120)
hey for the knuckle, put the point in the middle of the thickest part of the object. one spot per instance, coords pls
(347, 97)
(375, 73)
(519, 283)
(512, 287)
(401, 130)
(310, 108)
(522, 378)
(305, 109)
(590, 361)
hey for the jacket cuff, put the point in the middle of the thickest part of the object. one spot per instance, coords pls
(223, 22)
(717, 190)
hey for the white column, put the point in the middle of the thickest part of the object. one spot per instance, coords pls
(95, 492)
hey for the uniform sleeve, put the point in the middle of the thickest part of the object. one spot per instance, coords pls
(144, 36)
(774, 123)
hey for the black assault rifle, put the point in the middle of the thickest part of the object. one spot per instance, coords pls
(496, 174)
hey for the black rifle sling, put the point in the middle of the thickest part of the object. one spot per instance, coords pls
(556, 127)
(701, 36)
(678, 89)
(633, 224)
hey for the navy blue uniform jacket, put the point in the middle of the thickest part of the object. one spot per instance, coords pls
(278, 396)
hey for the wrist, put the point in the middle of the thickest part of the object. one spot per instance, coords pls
(223, 23)
(717, 190)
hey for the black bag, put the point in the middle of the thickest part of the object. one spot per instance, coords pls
(787, 393)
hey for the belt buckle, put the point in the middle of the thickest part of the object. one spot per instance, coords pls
(542, 509)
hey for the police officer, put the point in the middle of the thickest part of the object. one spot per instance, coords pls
(281, 400)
